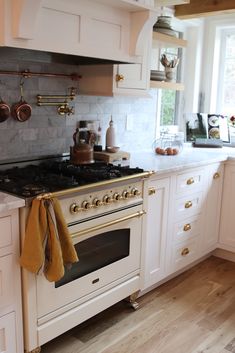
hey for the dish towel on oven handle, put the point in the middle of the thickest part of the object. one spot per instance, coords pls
(47, 245)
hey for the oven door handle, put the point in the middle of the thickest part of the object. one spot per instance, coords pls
(108, 224)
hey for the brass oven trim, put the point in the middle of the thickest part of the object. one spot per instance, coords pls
(108, 224)
(93, 185)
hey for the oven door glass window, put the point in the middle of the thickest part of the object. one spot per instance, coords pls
(97, 252)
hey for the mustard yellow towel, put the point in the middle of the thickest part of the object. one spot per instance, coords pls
(68, 251)
(47, 245)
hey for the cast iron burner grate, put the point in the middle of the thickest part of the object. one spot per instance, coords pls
(50, 176)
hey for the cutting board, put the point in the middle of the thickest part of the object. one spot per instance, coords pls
(111, 157)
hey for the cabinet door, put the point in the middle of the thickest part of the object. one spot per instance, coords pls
(227, 224)
(133, 76)
(7, 333)
(213, 206)
(156, 231)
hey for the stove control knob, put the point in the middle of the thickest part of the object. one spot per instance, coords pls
(126, 194)
(86, 205)
(96, 202)
(74, 208)
(116, 196)
(135, 192)
(107, 199)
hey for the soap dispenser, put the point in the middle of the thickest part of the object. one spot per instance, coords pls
(110, 135)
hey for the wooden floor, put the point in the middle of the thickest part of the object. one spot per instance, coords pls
(193, 313)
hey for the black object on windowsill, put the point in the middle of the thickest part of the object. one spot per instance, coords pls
(209, 143)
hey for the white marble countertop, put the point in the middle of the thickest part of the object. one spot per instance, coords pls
(9, 202)
(189, 158)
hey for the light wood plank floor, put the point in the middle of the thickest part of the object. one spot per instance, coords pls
(193, 313)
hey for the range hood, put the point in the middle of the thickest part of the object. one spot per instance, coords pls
(43, 57)
(103, 31)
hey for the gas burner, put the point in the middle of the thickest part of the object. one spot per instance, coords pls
(33, 189)
(53, 175)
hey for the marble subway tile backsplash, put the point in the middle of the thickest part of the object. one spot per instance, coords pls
(48, 133)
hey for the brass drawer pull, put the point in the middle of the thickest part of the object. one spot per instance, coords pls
(216, 175)
(187, 227)
(185, 252)
(188, 204)
(152, 191)
(119, 78)
(190, 181)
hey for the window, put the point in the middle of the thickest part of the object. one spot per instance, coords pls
(226, 78)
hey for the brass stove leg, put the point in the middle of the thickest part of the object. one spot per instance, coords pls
(131, 300)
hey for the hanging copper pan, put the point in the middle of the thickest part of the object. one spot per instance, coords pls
(21, 110)
(4, 111)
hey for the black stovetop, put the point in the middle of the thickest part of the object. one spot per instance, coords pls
(52, 175)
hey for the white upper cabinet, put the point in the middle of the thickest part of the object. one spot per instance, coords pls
(113, 30)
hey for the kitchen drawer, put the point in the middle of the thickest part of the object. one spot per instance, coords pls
(6, 281)
(8, 333)
(188, 206)
(184, 253)
(186, 229)
(6, 231)
(190, 182)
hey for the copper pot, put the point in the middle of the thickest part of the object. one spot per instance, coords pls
(81, 152)
(4, 111)
(21, 110)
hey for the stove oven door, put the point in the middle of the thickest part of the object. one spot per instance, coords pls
(109, 249)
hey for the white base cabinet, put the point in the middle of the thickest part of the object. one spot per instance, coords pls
(156, 230)
(227, 225)
(214, 188)
(11, 330)
(183, 216)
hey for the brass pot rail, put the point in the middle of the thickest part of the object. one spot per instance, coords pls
(108, 224)
(29, 74)
(93, 185)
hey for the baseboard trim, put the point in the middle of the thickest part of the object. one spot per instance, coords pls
(224, 254)
(175, 274)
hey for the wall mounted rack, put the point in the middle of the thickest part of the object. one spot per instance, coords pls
(29, 74)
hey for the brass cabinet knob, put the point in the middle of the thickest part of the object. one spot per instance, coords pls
(190, 181)
(107, 199)
(116, 196)
(187, 227)
(74, 208)
(185, 252)
(152, 191)
(86, 205)
(96, 202)
(188, 204)
(120, 78)
(216, 175)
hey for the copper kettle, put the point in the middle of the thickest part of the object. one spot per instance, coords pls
(81, 152)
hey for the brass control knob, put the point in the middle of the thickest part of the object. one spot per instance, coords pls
(116, 196)
(74, 208)
(135, 192)
(107, 199)
(126, 194)
(86, 205)
(96, 202)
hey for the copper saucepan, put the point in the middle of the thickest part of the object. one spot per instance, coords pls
(21, 110)
(4, 111)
